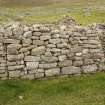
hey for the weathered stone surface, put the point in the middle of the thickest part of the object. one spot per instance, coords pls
(71, 70)
(49, 59)
(3, 76)
(13, 48)
(48, 54)
(62, 57)
(55, 50)
(32, 65)
(52, 72)
(45, 37)
(76, 49)
(36, 33)
(38, 42)
(78, 63)
(55, 35)
(17, 32)
(89, 68)
(20, 67)
(54, 41)
(26, 42)
(26, 28)
(47, 65)
(65, 63)
(51, 46)
(85, 51)
(63, 45)
(91, 42)
(26, 49)
(2, 70)
(38, 51)
(27, 34)
(39, 75)
(44, 29)
(32, 58)
(88, 61)
(36, 71)
(90, 46)
(15, 57)
(8, 32)
(30, 76)
(10, 41)
(34, 37)
(14, 74)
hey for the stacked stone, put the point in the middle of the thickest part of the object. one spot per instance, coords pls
(3, 71)
(48, 50)
(101, 32)
(33, 48)
(86, 52)
(94, 59)
(14, 59)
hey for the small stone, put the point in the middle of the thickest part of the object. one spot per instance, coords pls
(63, 45)
(65, 63)
(32, 65)
(48, 54)
(62, 57)
(78, 54)
(44, 29)
(51, 45)
(38, 51)
(85, 51)
(27, 34)
(21, 97)
(38, 42)
(55, 50)
(49, 59)
(78, 63)
(45, 37)
(54, 41)
(26, 28)
(36, 33)
(26, 42)
(63, 28)
(55, 31)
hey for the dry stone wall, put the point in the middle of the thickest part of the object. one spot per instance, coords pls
(49, 50)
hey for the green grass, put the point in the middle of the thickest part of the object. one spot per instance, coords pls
(54, 12)
(80, 90)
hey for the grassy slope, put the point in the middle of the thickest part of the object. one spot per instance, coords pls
(83, 90)
(54, 12)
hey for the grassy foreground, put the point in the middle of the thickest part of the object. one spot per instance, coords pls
(80, 90)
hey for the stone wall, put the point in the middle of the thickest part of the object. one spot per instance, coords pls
(49, 50)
